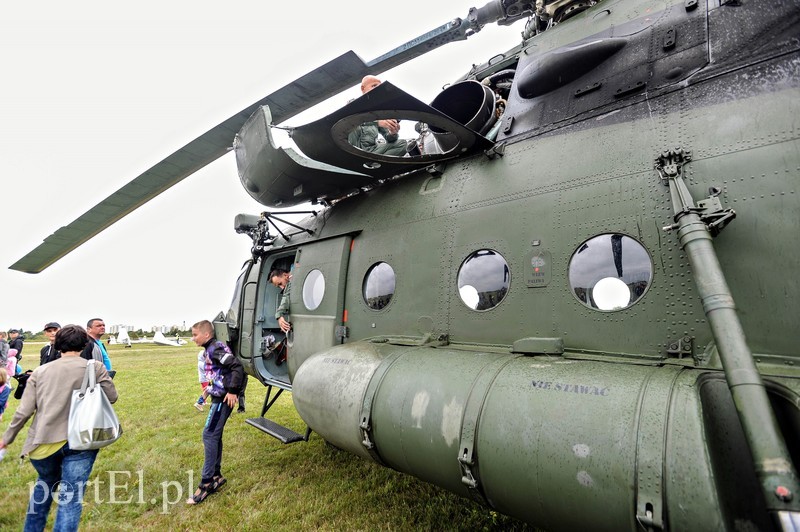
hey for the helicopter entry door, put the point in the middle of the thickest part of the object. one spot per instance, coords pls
(262, 339)
(317, 298)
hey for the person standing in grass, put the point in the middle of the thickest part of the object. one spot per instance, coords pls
(96, 350)
(47, 399)
(11, 362)
(16, 342)
(241, 395)
(3, 348)
(49, 353)
(5, 391)
(225, 385)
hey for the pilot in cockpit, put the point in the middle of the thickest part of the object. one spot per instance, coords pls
(379, 136)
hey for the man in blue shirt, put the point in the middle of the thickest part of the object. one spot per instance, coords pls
(95, 349)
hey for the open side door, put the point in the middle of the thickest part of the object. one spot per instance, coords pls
(319, 272)
(261, 346)
(317, 298)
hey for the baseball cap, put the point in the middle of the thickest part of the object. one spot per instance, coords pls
(14, 330)
(52, 325)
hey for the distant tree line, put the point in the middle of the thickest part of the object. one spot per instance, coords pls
(173, 331)
(135, 335)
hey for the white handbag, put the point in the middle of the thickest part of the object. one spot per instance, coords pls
(92, 421)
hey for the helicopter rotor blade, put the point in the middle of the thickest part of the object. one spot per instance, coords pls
(310, 89)
(318, 85)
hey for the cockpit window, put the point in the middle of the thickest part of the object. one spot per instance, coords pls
(378, 286)
(610, 272)
(388, 137)
(313, 289)
(483, 279)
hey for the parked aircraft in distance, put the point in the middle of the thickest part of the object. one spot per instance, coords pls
(160, 339)
(122, 337)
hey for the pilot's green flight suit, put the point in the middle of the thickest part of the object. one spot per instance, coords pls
(365, 137)
(283, 306)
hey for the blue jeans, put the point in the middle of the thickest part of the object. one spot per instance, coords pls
(218, 414)
(68, 470)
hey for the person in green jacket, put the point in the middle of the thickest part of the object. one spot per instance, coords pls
(283, 280)
(367, 136)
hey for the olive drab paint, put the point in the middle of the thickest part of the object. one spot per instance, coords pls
(573, 300)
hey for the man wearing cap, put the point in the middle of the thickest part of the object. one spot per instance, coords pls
(49, 353)
(16, 342)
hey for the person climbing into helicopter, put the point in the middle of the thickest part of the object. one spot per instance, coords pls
(282, 279)
(368, 135)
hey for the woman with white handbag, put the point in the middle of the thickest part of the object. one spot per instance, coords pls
(49, 395)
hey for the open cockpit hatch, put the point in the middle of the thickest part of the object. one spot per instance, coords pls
(331, 168)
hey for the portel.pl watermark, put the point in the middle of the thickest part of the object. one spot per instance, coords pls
(118, 487)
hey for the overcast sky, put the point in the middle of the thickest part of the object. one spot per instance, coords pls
(94, 93)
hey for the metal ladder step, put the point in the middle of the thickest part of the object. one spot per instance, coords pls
(279, 432)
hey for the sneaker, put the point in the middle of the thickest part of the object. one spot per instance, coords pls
(198, 406)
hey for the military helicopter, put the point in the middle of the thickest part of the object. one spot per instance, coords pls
(533, 307)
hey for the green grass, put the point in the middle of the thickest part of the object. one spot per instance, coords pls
(303, 486)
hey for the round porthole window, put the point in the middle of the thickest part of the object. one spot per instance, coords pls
(313, 289)
(610, 272)
(483, 279)
(378, 286)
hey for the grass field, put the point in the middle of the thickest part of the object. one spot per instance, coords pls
(142, 480)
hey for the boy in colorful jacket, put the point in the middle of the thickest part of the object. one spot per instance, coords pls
(224, 387)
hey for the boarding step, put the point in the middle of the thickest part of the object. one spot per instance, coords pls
(279, 432)
(279, 383)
